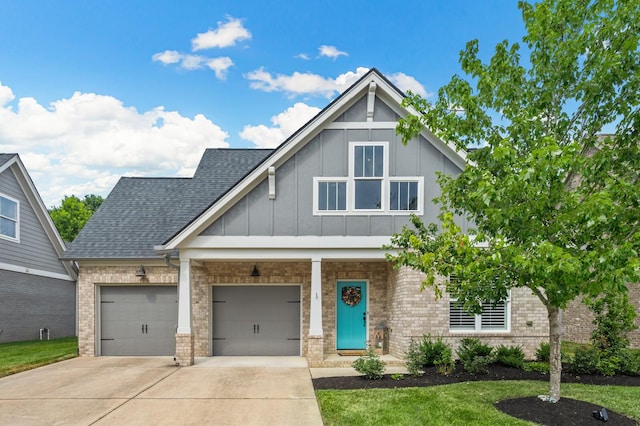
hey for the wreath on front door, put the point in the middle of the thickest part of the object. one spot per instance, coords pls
(351, 295)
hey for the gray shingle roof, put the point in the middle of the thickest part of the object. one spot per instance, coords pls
(6, 157)
(141, 213)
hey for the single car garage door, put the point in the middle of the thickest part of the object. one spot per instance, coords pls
(138, 320)
(256, 320)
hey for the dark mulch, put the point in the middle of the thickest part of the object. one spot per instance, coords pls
(565, 412)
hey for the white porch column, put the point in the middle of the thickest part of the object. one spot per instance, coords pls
(184, 297)
(315, 322)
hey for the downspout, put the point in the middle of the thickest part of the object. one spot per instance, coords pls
(167, 260)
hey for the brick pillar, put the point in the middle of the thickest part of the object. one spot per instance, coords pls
(315, 351)
(184, 349)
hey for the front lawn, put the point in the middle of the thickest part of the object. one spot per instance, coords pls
(458, 404)
(20, 356)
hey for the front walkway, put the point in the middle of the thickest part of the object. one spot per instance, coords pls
(148, 390)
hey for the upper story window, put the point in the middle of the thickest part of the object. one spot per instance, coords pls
(368, 187)
(332, 195)
(8, 218)
(368, 175)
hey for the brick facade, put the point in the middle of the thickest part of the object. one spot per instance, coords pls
(394, 301)
(414, 313)
(577, 320)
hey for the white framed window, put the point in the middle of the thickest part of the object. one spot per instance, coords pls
(9, 214)
(404, 194)
(492, 319)
(368, 188)
(331, 195)
(368, 171)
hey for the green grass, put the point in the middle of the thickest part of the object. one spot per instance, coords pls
(20, 356)
(457, 404)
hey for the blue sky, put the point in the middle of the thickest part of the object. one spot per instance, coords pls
(94, 90)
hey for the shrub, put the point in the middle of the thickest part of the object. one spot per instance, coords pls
(475, 355)
(370, 365)
(585, 361)
(537, 366)
(630, 364)
(543, 353)
(427, 352)
(510, 356)
(614, 319)
(446, 365)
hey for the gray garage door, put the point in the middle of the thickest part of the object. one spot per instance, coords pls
(138, 320)
(256, 320)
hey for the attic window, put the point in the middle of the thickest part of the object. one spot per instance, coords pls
(368, 188)
(8, 218)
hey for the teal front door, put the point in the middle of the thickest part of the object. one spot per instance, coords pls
(352, 315)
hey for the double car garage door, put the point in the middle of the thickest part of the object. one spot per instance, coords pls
(246, 320)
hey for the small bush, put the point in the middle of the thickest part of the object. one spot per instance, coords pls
(370, 365)
(475, 355)
(427, 352)
(543, 353)
(446, 364)
(585, 361)
(630, 364)
(536, 366)
(510, 356)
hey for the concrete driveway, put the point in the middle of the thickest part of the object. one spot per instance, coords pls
(151, 391)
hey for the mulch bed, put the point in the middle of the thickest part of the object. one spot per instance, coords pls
(565, 412)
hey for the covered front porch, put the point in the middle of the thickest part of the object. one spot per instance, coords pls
(320, 284)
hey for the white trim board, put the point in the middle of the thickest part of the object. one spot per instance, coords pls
(38, 272)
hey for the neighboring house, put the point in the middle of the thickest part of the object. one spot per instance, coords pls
(37, 289)
(278, 252)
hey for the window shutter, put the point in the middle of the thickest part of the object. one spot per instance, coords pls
(459, 319)
(494, 318)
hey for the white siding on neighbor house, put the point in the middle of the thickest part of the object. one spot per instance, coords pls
(34, 249)
(328, 155)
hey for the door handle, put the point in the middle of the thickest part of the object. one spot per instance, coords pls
(364, 319)
(146, 329)
(258, 328)
(254, 329)
(142, 328)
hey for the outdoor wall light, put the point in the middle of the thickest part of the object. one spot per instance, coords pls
(141, 272)
(255, 272)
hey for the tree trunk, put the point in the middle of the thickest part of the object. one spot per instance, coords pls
(555, 361)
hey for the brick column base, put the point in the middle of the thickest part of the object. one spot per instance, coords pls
(315, 351)
(184, 349)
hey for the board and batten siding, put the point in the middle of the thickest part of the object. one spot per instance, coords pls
(34, 249)
(327, 155)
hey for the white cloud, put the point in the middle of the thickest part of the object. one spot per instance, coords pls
(220, 66)
(6, 95)
(406, 82)
(168, 57)
(227, 34)
(284, 125)
(82, 144)
(302, 56)
(193, 62)
(331, 52)
(303, 83)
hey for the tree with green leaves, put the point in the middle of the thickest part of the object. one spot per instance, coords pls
(73, 213)
(554, 204)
